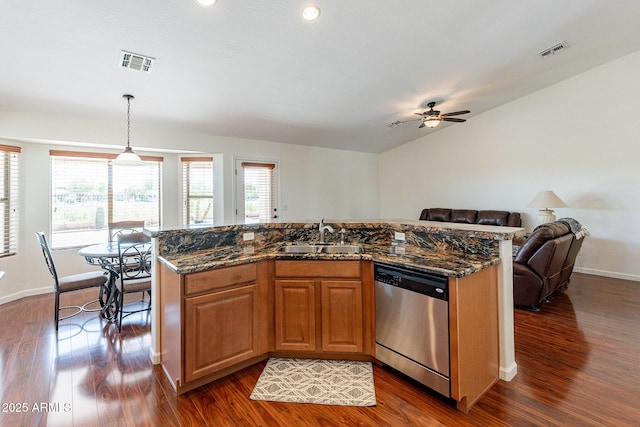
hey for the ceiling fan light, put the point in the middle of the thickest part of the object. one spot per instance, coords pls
(206, 2)
(431, 122)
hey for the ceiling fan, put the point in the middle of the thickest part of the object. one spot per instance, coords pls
(432, 118)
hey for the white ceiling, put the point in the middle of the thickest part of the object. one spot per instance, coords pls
(254, 69)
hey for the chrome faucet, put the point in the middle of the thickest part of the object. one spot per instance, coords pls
(322, 228)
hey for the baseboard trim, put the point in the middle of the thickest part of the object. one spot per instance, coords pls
(508, 373)
(154, 356)
(26, 293)
(611, 274)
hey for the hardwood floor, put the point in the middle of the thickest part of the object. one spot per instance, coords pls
(578, 364)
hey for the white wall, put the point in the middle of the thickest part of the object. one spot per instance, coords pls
(579, 138)
(314, 182)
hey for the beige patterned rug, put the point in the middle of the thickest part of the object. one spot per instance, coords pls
(326, 382)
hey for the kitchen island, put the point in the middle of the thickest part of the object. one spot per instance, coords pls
(226, 297)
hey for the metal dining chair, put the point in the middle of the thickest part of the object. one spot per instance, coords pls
(75, 282)
(134, 271)
(124, 227)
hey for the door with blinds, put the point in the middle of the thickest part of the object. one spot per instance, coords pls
(256, 191)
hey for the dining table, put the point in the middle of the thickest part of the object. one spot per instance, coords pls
(99, 255)
(94, 254)
(105, 255)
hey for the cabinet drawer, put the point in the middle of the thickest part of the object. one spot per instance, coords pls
(317, 269)
(218, 279)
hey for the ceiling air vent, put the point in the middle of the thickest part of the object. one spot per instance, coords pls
(136, 62)
(557, 48)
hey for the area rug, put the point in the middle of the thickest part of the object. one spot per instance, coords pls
(325, 382)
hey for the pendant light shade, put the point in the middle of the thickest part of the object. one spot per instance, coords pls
(128, 157)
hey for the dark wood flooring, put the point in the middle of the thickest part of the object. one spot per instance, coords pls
(578, 364)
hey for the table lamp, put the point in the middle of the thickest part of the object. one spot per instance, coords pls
(545, 200)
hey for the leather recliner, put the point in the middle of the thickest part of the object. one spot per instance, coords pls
(544, 263)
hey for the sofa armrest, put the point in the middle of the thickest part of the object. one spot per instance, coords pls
(527, 285)
(514, 220)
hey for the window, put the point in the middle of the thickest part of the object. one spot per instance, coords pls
(257, 197)
(88, 192)
(197, 190)
(9, 162)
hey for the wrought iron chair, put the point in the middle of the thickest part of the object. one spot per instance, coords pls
(134, 271)
(124, 227)
(75, 282)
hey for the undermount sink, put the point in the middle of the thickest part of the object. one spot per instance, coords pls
(299, 249)
(342, 249)
(317, 249)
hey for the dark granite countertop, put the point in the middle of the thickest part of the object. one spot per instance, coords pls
(453, 250)
(451, 265)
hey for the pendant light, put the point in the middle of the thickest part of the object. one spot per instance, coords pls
(128, 157)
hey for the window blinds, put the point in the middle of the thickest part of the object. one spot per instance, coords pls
(259, 191)
(88, 191)
(9, 163)
(197, 190)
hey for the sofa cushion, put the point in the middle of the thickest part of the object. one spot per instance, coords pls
(493, 218)
(439, 214)
(465, 216)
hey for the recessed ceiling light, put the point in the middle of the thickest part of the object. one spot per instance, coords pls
(206, 2)
(311, 13)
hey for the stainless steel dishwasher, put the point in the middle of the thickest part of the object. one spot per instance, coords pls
(412, 324)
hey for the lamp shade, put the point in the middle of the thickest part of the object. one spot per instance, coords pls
(547, 199)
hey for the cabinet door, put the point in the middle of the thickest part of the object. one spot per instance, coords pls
(295, 315)
(474, 336)
(341, 315)
(221, 329)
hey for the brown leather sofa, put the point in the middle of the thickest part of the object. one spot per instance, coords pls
(545, 261)
(468, 216)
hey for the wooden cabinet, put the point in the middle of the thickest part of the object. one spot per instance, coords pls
(214, 321)
(341, 314)
(221, 329)
(295, 326)
(319, 306)
(473, 333)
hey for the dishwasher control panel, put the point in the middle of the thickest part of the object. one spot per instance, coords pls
(417, 281)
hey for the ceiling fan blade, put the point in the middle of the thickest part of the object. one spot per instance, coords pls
(456, 113)
(451, 119)
(421, 114)
(421, 125)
